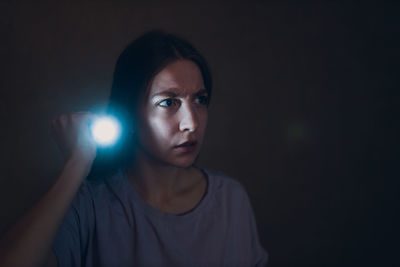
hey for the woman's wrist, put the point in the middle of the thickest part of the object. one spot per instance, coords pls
(78, 166)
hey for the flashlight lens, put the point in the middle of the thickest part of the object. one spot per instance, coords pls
(106, 131)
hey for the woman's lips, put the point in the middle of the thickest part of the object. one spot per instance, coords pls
(186, 147)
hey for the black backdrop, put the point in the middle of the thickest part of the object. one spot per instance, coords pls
(302, 112)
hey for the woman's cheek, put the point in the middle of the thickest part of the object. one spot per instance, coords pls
(162, 127)
(204, 118)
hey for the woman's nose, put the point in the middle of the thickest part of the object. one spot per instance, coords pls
(188, 121)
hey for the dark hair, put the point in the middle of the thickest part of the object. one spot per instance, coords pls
(137, 65)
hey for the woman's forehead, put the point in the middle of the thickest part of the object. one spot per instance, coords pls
(181, 77)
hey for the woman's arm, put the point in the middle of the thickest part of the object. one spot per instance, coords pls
(28, 242)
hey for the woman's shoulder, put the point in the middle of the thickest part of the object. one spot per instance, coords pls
(225, 183)
(97, 189)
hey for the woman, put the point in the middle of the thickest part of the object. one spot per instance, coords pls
(152, 206)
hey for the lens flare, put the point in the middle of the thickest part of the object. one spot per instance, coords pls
(106, 131)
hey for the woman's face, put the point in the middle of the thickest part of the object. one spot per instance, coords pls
(174, 112)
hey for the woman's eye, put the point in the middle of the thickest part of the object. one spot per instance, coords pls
(202, 100)
(167, 102)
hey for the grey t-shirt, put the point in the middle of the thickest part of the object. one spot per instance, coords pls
(109, 224)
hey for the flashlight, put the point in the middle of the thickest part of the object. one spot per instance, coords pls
(106, 130)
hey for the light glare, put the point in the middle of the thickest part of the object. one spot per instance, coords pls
(106, 130)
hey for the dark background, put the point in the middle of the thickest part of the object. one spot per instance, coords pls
(302, 112)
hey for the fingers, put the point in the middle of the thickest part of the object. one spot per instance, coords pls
(74, 118)
(72, 134)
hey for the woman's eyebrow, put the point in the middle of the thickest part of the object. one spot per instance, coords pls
(173, 94)
(164, 93)
(201, 91)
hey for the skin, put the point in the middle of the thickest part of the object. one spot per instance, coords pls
(173, 111)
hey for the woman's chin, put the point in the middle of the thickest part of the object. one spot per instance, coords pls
(184, 164)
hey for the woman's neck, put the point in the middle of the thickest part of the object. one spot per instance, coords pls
(158, 182)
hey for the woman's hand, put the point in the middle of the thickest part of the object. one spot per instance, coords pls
(73, 137)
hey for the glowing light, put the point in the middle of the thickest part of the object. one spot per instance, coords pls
(106, 131)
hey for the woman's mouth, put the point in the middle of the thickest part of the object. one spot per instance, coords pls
(186, 147)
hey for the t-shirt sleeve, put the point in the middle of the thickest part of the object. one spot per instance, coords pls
(259, 256)
(72, 235)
